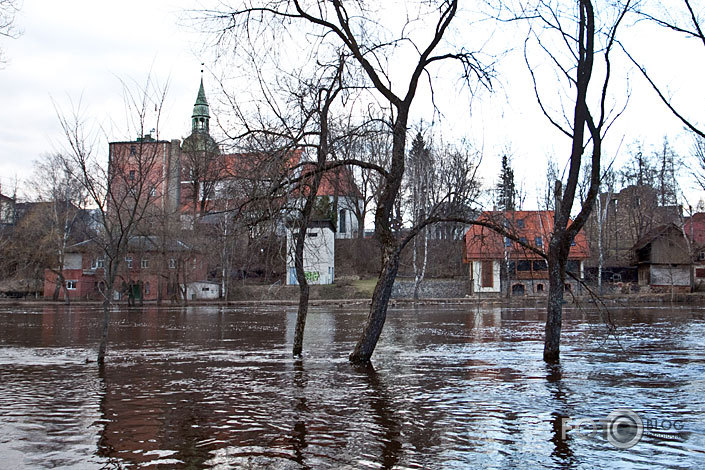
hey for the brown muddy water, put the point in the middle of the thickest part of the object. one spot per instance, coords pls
(451, 388)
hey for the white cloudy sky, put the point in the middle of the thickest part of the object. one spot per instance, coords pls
(76, 50)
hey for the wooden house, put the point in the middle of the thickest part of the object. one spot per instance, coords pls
(663, 259)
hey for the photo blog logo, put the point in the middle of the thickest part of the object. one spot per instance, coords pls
(623, 428)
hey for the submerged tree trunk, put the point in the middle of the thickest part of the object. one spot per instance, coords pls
(103, 347)
(390, 249)
(303, 291)
(378, 311)
(554, 310)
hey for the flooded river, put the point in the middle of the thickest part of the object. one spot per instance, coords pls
(451, 388)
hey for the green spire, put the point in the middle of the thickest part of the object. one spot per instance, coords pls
(201, 115)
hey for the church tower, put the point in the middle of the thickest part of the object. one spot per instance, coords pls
(201, 115)
(201, 165)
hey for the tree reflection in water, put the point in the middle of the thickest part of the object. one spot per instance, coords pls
(301, 411)
(562, 452)
(384, 417)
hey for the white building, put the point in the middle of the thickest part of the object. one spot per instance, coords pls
(203, 290)
(338, 186)
(319, 254)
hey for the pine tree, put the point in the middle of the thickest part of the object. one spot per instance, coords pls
(506, 190)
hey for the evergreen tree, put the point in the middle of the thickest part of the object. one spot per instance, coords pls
(506, 190)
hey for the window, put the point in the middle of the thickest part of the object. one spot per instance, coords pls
(522, 239)
(540, 265)
(172, 263)
(487, 278)
(701, 255)
(133, 150)
(145, 263)
(71, 285)
(205, 289)
(128, 261)
(539, 241)
(98, 263)
(520, 223)
(146, 288)
(572, 242)
(343, 221)
(132, 175)
(153, 192)
(539, 287)
(312, 234)
(573, 266)
(523, 265)
(507, 241)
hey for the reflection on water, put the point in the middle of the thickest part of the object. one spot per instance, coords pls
(451, 387)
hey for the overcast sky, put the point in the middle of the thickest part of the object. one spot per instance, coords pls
(76, 50)
(79, 51)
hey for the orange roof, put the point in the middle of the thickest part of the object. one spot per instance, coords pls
(534, 227)
(259, 165)
(337, 181)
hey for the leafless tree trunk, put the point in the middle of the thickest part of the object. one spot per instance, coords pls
(582, 49)
(346, 27)
(119, 186)
(327, 95)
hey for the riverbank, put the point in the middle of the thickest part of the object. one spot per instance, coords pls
(325, 295)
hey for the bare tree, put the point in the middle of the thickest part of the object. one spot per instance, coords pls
(121, 187)
(683, 18)
(65, 200)
(350, 27)
(577, 66)
(420, 180)
(326, 95)
(8, 27)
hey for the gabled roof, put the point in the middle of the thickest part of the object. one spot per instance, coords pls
(534, 226)
(136, 243)
(658, 232)
(338, 181)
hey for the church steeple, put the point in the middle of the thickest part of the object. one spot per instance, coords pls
(201, 115)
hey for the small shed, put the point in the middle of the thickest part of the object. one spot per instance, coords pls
(663, 259)
(319, 253)
(203, 290)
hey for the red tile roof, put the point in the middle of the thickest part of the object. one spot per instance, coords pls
(534, 226)
(259, 165)
(337, 181)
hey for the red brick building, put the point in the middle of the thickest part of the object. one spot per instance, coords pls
(152, 270)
